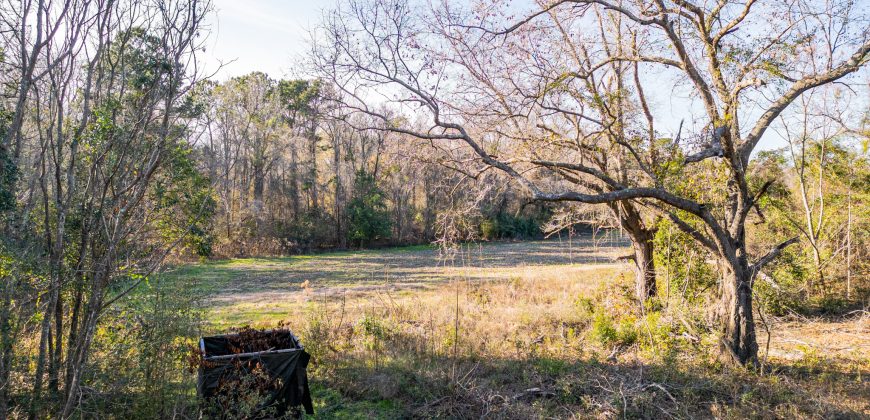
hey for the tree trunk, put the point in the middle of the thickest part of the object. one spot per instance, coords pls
(340, 237)
(259, 176)
(735, 309)
(294, 180)
(312, 174)
(644, 265)
(57, 355)
(429, 210)
(849, 240)
(77, 352)
(6, 342)
(42, 355)
(642, 243)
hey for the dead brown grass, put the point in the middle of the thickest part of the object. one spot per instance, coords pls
(527, 347)
(548, 339)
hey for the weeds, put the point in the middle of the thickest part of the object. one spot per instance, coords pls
(557, 341)
(546, 348)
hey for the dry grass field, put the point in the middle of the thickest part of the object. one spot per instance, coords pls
(542, 329)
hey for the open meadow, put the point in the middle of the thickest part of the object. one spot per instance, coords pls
(536, 329)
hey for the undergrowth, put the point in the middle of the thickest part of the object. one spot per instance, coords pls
(549, 348)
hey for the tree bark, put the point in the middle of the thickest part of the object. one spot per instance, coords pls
(57, 354)
(738, 340)
(734, 312)
(341, 238)
(645, 270)
(294, 180)
(6, 342)
(642, 244)
(312, 174)
(429, 209)
(259, 175)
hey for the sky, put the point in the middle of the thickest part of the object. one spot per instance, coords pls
(272, 36)
(260, 35)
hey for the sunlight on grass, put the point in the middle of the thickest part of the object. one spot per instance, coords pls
(394, 329)
(258, 291)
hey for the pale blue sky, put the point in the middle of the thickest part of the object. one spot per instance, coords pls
(260, 35)
(272, 36)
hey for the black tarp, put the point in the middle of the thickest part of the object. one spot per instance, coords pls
(278, 353)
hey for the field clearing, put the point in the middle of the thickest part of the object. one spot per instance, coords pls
(505, 330)
(259, 291)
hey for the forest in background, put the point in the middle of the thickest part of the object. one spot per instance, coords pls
(440, 124)
(293, 172)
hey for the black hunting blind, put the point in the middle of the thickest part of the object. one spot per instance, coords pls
(253, 373)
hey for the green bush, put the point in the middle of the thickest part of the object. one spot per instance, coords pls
(138, 367)
(184, 201)
(654, 333)
(607, 331)
(368, 217)
(308, 230)
(508, 226)
(489, 229)
(585, 305)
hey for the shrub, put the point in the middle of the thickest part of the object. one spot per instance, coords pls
(138, 353)
(368, 217)
(505, 225)
(489, 229)
(655, 333)
(609, 332)
(184, 203)
(307, 231)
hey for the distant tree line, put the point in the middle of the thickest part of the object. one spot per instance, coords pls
(293, 171)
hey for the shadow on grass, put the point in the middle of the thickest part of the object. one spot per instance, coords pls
(407, 267)
(541, 387)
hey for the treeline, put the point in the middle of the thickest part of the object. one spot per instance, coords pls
(293, 171)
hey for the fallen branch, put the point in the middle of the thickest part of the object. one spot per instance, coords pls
(653, 384)
(534, 393)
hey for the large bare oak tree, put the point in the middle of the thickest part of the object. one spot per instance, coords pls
(561, 100)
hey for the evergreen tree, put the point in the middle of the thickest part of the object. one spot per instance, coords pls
(368, 217)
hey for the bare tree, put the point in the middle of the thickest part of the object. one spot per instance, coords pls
(98, 111)
(388, 46)
(822, 162)
(812, 196)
